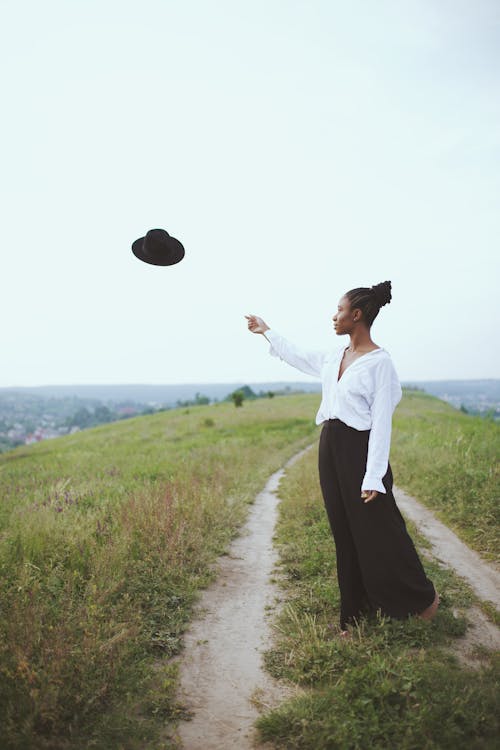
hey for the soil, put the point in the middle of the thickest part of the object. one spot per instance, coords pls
(223, 683)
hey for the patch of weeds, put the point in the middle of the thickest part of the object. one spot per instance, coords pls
(160, 700)
(491, 612)
(392, 701)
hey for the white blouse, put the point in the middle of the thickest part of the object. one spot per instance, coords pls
(364, 398)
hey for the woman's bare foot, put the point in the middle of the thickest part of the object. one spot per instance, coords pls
(339, 633)
(431, 610)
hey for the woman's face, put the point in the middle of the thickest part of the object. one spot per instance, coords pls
(345, 318)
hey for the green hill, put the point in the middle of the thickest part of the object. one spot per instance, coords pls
(107, 535)
(105, 538)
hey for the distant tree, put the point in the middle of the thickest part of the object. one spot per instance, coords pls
(102, 415)
(200, 400)
(464, 409)
(81, 418)
(270, 394)
(238, 397)
(247, 392)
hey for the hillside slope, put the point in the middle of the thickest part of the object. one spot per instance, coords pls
(107, 535)
(449, 461)
(105, 538)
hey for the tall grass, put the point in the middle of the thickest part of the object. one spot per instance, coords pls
(449, 461)
(105, 539)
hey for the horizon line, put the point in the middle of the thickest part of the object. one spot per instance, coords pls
(225, 382)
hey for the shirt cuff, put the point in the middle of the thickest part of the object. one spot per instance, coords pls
(269, 336)
(371, 483)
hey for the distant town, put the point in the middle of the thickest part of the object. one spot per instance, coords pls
(30, 415)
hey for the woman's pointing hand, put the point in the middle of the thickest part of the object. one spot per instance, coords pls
(256, 325)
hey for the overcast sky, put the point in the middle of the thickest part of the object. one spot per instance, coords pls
(298, 149)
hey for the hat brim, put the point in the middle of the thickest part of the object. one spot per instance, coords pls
(166, 257)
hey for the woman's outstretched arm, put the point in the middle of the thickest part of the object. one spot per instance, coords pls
(309, 362)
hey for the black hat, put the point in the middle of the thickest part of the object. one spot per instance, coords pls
(158, 248)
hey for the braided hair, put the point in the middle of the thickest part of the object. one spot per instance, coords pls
(370, 299)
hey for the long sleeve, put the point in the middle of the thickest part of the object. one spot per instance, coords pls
(387, 395)
(309, 362)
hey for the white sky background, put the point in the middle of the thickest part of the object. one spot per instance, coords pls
(297, 149)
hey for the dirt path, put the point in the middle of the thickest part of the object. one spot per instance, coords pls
(483, 577)
(222, 677)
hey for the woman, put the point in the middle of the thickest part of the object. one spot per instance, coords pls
(378, 567)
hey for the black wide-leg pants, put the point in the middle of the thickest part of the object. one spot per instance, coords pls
(378, 567)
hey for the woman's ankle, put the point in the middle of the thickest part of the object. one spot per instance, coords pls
(431, 610)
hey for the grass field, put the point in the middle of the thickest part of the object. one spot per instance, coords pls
(449, 461)
(397, 684)
(106, 537)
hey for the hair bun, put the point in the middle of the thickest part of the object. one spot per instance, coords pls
(382, 293)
